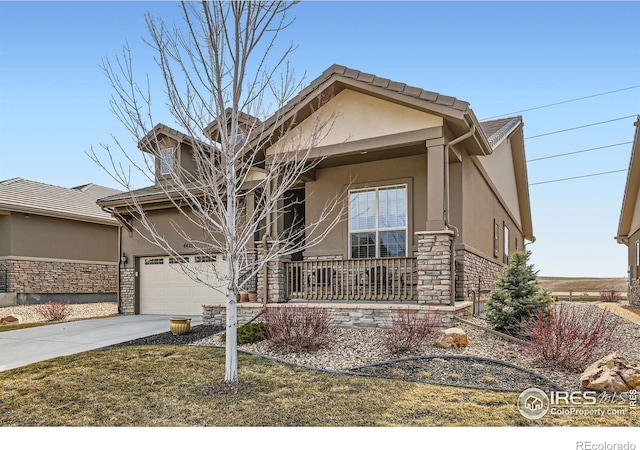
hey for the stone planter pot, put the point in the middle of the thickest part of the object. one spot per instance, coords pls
(253, 296)
(179, 325)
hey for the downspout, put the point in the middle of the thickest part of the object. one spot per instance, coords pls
(445, 206)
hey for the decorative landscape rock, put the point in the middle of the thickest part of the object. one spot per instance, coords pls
(611, 373)
(452, 337)
(9, 320)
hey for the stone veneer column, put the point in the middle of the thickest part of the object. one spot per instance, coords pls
(434, 266)
(276, 283)
(127, 291)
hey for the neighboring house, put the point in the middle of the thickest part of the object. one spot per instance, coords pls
(629, 225)
(56, 244)
(432, 192)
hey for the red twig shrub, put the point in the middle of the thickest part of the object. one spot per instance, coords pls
(297, 328)
(610, 296)
(571, 337)
(409, 329)
(53, 311)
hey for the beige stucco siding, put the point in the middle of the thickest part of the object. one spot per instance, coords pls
(135, 245)
(632, 257)
(479, 207)
(354, 116)
(635, 221)
(499, 166)
(45, 237)
(5, 235)
(410, 170)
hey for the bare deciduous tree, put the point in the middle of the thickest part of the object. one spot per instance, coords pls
(218, 72)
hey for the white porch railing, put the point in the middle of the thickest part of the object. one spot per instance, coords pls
(383, 279)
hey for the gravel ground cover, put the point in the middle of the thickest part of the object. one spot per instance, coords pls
(489, 362)
(28, 314)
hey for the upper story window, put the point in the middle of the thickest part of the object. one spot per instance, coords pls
(505, 256)
(167, 160)
(496, 238)
(378, 222)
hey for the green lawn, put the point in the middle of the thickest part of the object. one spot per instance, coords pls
(163, 385)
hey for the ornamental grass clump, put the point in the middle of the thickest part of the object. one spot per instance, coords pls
(517, 296)
(297, 328)
(409, 330)
(53, 311)
(570, 336)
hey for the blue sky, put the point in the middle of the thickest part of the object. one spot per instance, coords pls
(502, 57)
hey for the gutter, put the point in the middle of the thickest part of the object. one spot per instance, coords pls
(445, 208)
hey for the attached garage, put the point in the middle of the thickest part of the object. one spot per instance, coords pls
(166, 289)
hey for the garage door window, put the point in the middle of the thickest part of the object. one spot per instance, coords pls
(153, 261)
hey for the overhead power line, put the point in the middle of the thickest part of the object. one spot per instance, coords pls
(581, 126)
(563, 102)
(578, 151)
(575, 178)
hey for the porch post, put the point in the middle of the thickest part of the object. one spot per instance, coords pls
(434, 266)
(273, 289)
(435, 183)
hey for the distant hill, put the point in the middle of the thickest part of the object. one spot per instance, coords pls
(577, 285)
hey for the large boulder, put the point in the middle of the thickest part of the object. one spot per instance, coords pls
(612, 373)
(9, 320)
(452, 337)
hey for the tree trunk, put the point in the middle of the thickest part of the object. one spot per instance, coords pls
(231, 360)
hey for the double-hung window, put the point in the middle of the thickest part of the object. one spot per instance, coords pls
(378, 222)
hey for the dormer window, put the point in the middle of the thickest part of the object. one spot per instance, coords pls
(167, 160)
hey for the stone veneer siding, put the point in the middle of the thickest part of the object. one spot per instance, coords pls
(469, 266)
(342, 315)
(634, 293)
(127, 297)
(434, 266)
(276, 278)
(60, 277)
(3, 277)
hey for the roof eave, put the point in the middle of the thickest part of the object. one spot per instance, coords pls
(631, 187)
(58, 215)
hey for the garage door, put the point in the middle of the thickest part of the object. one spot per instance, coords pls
(165, 289)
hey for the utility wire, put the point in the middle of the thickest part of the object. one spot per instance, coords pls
(581, 126)
(563, 102)
(581, 176)
(578, 151)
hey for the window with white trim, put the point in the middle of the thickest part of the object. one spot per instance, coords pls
(496, 238)
(637, 258)
(167, 160)
(505, 255)
(378, 222)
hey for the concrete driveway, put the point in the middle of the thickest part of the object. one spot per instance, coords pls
(22, 347)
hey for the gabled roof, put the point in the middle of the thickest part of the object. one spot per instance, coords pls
(632, 187)
(496, 130)
(458, 114)
(32, 197)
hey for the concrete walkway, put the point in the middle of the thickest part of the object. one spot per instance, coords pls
(620, 311)
(22, 347)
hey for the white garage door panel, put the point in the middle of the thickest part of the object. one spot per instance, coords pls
(165, 289)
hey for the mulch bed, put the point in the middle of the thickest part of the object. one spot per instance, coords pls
(195, 334)
(461, 371)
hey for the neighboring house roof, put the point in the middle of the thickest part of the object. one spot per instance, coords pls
(79, 203)
(631, 190)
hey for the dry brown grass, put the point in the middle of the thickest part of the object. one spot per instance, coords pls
(578, 285)
(154, 386)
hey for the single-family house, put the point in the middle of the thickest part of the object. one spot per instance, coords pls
(629, 225)
(56, 244)
(436, 203)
